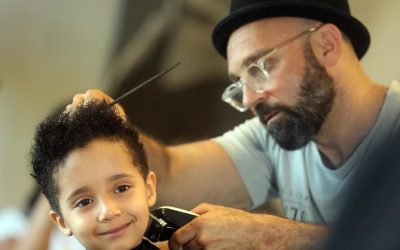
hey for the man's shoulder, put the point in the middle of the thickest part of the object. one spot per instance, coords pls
(394, 88)
(390, 108)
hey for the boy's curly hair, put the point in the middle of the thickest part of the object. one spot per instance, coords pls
(63, 132)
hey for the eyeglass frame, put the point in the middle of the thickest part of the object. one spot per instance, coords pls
(236, 87)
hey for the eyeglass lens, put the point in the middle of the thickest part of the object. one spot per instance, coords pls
(257, 77)
(233, 95)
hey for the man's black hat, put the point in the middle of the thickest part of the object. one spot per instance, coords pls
(326, 11)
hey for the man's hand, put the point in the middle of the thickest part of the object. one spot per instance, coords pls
(220, 227)
(217, 227)
(90, 95)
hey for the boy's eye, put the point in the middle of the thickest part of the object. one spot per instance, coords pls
(83, 202)
(122, 188)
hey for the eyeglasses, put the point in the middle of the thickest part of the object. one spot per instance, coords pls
(256, 76)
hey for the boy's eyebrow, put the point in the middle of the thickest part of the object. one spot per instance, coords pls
(119, 176)
(77, 192)
(85, 189)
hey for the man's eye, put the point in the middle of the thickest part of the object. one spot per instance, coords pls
(122, 188)
(83, 202)
(256, 73)
(268, 64)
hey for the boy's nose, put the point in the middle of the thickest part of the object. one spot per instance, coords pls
(108, 209)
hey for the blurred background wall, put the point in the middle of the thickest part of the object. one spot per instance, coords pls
(52, 49)
(49, 50)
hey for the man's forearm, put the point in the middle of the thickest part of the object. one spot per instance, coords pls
(220, 227)
(157, 155)
(288, 234)
(183, 170)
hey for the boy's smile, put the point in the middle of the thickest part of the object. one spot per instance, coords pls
(117, 231)
(104, 199)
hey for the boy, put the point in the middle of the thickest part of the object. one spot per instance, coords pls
(93, 171)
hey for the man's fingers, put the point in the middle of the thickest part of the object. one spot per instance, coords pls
(181, 237)
(94, 94)
(69, 108)
(204, 208)
(78, 100)
(91, 95)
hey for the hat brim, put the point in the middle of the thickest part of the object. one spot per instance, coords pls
(353, 28)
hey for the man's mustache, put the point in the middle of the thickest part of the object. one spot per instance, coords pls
(264, 109)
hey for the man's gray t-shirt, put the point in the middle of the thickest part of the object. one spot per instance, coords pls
(308, 190)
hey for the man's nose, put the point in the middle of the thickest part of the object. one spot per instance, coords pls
(108, 209)
(251, 97)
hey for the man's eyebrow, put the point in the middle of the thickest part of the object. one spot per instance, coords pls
(255, 56)
(249, 59)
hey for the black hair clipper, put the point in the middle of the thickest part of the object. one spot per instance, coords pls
(164, 221)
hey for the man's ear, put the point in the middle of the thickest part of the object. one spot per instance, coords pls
(327, 44)
(61, 223)
(151, 188)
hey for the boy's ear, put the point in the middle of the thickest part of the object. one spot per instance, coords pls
(61, 223)
(151, 188)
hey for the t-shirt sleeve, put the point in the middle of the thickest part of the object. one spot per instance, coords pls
(246, 146)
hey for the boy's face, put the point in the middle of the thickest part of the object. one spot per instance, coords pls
(103, 198)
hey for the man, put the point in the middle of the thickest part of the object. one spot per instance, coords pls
(295, 65)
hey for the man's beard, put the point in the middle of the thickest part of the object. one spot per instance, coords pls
(296, 125)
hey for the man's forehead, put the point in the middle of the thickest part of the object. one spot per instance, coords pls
(264, 34)
(257, 37)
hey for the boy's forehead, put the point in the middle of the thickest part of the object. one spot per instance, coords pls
(98, 151)
(99, 162)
